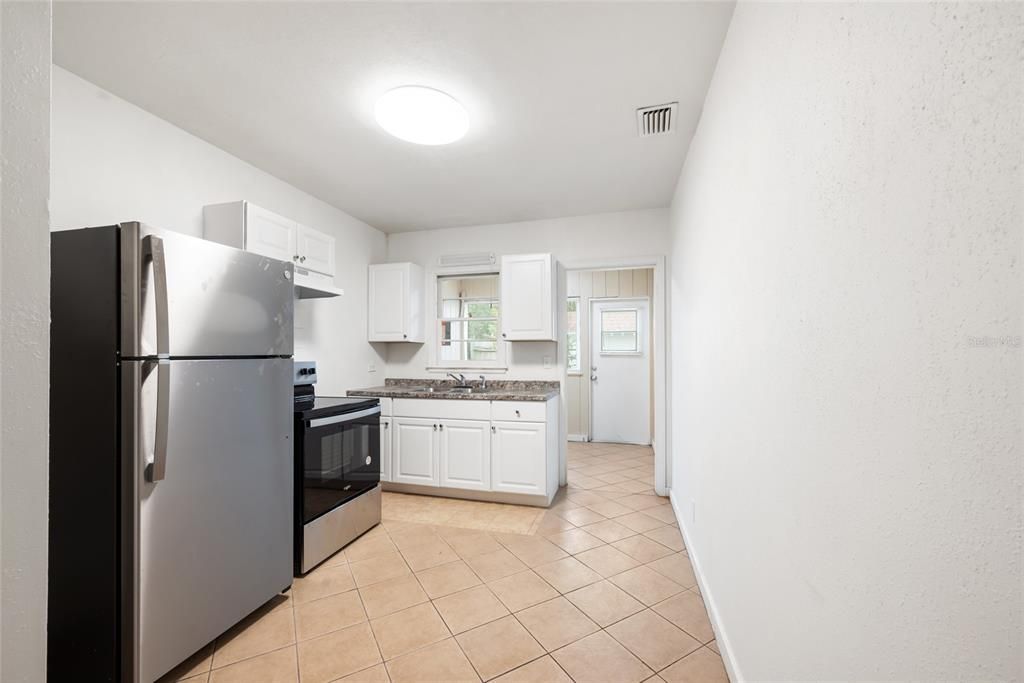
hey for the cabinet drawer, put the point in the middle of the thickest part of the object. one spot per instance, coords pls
(434, 408)
(519, 411)
(386, 407)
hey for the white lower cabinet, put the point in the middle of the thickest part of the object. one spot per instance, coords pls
(513, 452)
(414, 451)
(518, 457)
(385, 449)
(465, 454)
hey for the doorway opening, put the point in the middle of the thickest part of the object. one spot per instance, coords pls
(610, 379)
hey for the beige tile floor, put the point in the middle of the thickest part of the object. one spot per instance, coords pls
(597, 588)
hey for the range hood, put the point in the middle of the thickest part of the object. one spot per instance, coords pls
(309, 285)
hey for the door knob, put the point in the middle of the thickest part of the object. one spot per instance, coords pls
(593, 378)
(302, 259)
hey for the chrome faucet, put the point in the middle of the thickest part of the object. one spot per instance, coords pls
(483, 383)
(460, 378)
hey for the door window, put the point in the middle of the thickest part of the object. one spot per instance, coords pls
(619, 331)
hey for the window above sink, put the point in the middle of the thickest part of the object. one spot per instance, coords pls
(468, 321)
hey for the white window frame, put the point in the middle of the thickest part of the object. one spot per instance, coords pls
(579, 349)
(499, 362)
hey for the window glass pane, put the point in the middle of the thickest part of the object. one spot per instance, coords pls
(467, 311)
(573, 336)
(618, 330)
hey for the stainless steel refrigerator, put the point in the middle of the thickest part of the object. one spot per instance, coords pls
(171, 454)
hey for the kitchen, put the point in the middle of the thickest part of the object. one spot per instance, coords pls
(510, 341)
(441, 366)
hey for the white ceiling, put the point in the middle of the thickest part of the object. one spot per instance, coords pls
(551, 89)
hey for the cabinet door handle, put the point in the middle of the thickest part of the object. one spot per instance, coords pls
(441, 427)
(435, 428)
(405, 336)
(302, 259)
(295, 258)
(503, 334)
(494, 429)
(517, 414)
(386, 425)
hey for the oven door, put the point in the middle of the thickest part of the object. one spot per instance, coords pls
(340, 460)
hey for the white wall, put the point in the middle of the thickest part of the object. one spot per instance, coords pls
(24, 337)
(115, 162)
(846, 320)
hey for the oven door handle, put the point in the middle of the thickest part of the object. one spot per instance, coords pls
(347, 417)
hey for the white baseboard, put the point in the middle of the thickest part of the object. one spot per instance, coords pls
(721, 637)
(577, 437)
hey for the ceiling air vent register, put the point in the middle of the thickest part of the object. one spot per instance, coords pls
(656, 120)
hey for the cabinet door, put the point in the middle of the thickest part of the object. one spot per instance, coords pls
(268, 234)
(388, 303)
(414, 451)
(527, 298)
(385, 449)
(315, 250)
(518, 457)
(466, 454)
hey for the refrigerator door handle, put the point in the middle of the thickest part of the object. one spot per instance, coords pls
(153, 249)
(156, 470)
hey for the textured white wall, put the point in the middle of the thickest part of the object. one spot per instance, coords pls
(847, 227)
(24, 337)
(114, 162)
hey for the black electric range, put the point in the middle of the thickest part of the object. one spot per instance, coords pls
(337, 470)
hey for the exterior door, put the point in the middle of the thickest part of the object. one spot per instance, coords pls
(414, 451)
(215, 533)
(620, 371)
(466, 454)
(268, 234)
(518, 456)
(315, 250)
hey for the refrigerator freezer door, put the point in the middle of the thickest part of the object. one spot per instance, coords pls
(215, 534)
(187, 297)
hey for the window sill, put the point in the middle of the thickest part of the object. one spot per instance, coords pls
(475, 368)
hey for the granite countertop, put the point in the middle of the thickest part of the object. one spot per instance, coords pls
(497, 390)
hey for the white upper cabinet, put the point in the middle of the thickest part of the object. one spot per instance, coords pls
(528, 291)
(246, 226)
(268, 234)
(395, 306)
(315, 250)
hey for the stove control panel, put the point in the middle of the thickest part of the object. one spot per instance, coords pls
(305, 372)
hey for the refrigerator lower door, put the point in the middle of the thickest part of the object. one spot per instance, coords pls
(185, 296)
(215, 532)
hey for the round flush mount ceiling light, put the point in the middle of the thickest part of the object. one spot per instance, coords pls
(422, 115)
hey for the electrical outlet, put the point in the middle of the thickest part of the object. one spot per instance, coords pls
(371, 367)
